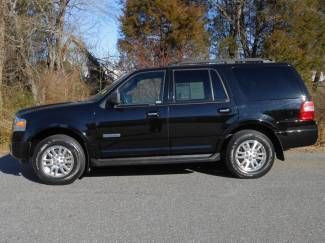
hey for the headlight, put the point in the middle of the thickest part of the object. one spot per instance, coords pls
(19, 125)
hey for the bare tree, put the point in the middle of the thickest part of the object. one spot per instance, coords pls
(239, 28)
(57, 16)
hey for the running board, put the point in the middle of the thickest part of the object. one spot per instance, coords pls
(168, 159)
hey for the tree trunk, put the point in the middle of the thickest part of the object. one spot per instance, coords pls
(55, 51)
(2, 48)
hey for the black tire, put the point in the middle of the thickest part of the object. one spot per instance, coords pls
(238, 139)
(77, 153)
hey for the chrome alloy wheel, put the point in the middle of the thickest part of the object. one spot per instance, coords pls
(250, 156)
(57, 161)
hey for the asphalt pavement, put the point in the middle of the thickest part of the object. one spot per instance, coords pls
(170, 203)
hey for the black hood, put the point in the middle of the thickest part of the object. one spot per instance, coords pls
(50, 107)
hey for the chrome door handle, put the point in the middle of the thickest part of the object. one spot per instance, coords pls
(224, 110)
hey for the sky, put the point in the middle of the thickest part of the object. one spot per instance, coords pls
(98, 26)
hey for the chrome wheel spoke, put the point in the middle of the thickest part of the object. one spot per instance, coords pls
(55, 171)
(258, 147)
(65, 168)
(247, 164)
(254, 145)
(52, 168)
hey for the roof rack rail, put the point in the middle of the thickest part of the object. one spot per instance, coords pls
(223, 61)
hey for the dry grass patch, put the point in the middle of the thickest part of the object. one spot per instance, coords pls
(58, 87)
(15, 98)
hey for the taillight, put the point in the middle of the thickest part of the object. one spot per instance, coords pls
(307, 111)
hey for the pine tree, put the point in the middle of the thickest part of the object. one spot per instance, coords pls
(158, 32)
(299, 36)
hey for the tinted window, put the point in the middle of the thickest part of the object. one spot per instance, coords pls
(218, 89)
(260, 83)
(192, 85)
(144, 88)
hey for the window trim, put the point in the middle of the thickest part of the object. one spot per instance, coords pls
(223, 85)
(175, 102)
(143, 105)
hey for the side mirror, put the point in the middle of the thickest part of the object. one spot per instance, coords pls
(113, 99)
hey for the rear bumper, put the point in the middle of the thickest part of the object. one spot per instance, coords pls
(298, 136)
(20, 151)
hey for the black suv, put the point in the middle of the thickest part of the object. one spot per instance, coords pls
(241, 112)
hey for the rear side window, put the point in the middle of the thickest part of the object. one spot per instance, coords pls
(267, 83)
(192, 85)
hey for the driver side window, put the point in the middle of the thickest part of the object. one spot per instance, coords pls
(144, 88)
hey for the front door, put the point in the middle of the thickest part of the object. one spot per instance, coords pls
(199, 111)
(138, 125)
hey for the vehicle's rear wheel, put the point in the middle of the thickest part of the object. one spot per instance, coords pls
(250, 154)
(58, 160)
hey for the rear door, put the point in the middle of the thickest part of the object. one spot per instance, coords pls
(199, 111)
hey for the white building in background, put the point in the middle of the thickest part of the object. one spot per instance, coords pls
(321, 78)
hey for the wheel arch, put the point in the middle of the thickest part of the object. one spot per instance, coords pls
(264, 128)
(64, 131)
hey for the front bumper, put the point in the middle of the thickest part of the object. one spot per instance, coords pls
(298, 136)
(20, 151)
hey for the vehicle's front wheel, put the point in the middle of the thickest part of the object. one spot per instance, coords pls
(58, 160)
(250, 154)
